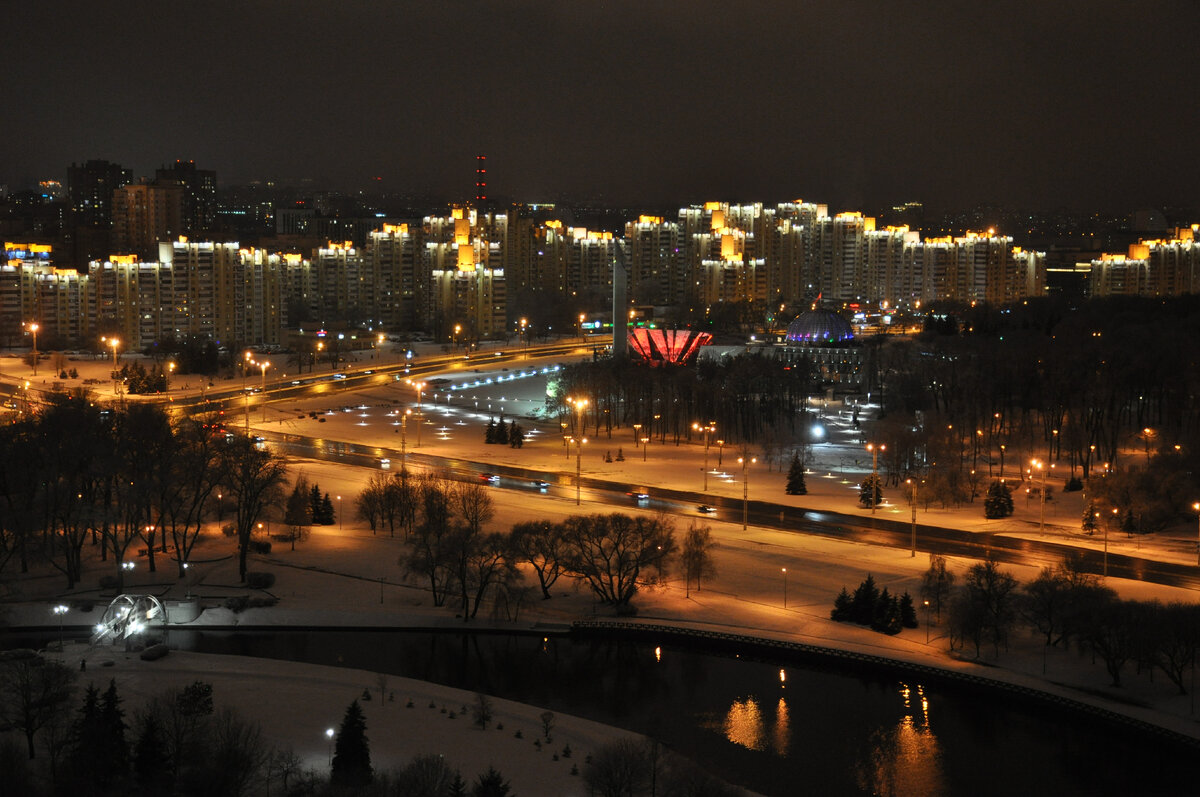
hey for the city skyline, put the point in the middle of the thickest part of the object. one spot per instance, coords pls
(1030, 105)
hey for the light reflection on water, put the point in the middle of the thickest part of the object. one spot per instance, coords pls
(906, 758)
(900, 759)
(746, 724)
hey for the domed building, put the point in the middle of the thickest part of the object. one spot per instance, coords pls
(819, 327)
(825, 339)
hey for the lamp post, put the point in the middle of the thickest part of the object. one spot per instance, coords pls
(339, 513)
(524, 336)
(645, 440)
(926, 622)
(708, 430)
(1196, 506)
(912, 497)
(60, 610)
(784, 587)
(875, 449)
(113, 343)
(1002, 460)
(170, 373)
(745, 462)
(637, 428)
(404, 441)
(578, 441)
(418, 386)
(1041, 466)
(457, 332)
(720, 451)
(264, 365)
(329, 736)
(33, 328)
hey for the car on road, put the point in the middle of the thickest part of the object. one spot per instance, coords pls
(540, 484)
(705, 509)
(639, 496)
(385, 463)
(490, 478)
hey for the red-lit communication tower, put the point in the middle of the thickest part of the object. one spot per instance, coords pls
(480, 180)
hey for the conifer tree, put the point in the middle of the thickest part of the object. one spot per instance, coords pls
(327, 516)
(862, 607)
(151, 759)
(489, 434)
(491, 784)
(502, 432)
(843, 606)
(795, 477)
(998, 503)
(908, 612)
(314, 505)
(870, 492)
(352, 751)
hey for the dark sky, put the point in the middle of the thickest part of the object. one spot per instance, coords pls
(1037, 104)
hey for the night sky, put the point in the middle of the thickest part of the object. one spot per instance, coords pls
(1035, 104)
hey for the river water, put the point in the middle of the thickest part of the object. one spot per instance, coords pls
(775, 726)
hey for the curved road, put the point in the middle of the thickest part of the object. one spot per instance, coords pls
(874, 531)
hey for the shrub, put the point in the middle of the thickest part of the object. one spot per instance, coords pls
(256, 580)
(998, 503)
(237, 603)
(1073, 485)
(228, 530)
(258, 546)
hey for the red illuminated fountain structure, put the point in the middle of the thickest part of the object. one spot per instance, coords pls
(668, 346)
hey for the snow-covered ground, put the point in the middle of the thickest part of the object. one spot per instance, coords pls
(341, 572)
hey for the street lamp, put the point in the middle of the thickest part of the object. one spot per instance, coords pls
(264, 365)
(637, 428)
(60, 610)
(746, 490)
(1196, 506)
(875, 449)
(457, 332)
(785, 587)
(1041, 466)
(329, 735)
(926, 622)
(913, 499)
(645, 440)
(113, 343)
(708, 430)
(525, 335)
(33, 328)
(404, 441)
(339, 513)
(578, 441)
(418, 386)
(720, 451)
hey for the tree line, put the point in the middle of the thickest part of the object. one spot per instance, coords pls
(451, 551)
(1066, 607)
(76, 473)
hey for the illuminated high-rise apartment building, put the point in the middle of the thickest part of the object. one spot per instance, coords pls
(145, 214)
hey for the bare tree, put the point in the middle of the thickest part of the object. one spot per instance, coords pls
(253, 477)
(473, 505)
(697, 557)
(541, 544)
(33, 692)
(612, 553)
(936, 583)
(433, 547)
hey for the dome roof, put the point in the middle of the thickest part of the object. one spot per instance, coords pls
(819, 326)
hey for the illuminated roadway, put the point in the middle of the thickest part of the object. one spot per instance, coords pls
(875, 531)
(851, 528)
